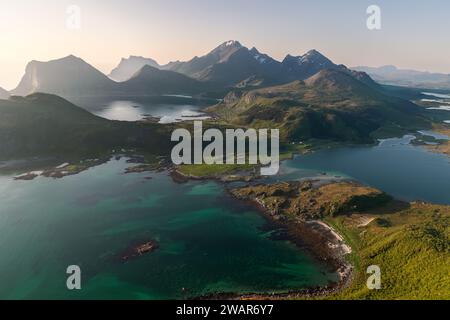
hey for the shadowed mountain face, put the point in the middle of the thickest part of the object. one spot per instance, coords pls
(69, 76)
(307, 65)
(128, 67)
(198, 64)
(73, 77)
(232, 64)
(43, 124)
(150, 80)
(413, 78)
(303, 67)
(4, 94)
(331, 105)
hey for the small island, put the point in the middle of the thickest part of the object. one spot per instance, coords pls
(138, 250)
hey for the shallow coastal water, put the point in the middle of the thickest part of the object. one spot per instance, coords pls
(441, 103)
(395, 166)
(207, 242)
(168, 109)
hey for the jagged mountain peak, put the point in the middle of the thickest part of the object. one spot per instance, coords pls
(341, 80)
(230, 44)
(314, 57)
(225, 50)
(308, 64)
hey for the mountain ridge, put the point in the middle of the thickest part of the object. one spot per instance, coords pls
(73, 77)
(331, 105)
(129, 66)
(230, 65)
(154, 81)
(65, 76)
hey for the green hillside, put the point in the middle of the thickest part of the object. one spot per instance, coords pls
(412, 248)
(331, 105)
(43, 124)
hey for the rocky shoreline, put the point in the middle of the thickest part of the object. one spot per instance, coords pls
(308, 238)
(319, 239)
(306, 229)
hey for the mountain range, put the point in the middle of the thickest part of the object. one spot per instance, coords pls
(228, 66)
(73, 77)
(307, 97)
(404, 77)
(232, 64)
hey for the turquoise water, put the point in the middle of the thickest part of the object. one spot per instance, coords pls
(208, 243)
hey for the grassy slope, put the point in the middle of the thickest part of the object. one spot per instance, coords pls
(410, 242)
(411, 246)
(330, 106)
(204, 170)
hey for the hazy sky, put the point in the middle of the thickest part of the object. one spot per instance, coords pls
(414, 33)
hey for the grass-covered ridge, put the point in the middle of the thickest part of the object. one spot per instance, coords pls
(412, 248)
(331, 105)
(410, 242)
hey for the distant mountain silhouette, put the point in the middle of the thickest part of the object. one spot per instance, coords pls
(403, 77)
(72, 77)
(228, 66)
(128, 67)
(150, 80)
(4, 94)
(67, 77)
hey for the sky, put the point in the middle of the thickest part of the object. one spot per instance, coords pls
(414, 33)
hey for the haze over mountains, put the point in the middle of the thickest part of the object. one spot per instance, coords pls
(233, 65)
(150, 80)
(69, 76)
(129, 66)
(73, 77)
(307, 97)
(4, 94)
(230, 65)
(412, 78)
